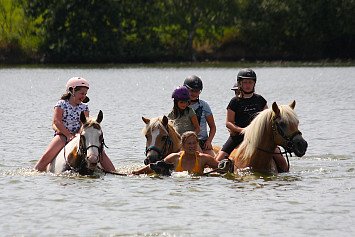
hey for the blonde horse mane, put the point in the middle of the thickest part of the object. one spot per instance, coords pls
(254, 133)
(155, 123)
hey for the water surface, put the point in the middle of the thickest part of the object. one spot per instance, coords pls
(316, 197)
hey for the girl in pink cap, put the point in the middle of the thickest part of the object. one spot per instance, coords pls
(66, 122)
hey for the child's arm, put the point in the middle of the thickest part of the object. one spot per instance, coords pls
(195, 123)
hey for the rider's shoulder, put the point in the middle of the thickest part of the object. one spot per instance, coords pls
(204, 155)
(62, 104)
(203, 103)
(258, 96)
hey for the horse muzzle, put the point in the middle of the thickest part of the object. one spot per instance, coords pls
(299, 146)
(151, 159)
(153, 154)
(92, 162)
(92, 166)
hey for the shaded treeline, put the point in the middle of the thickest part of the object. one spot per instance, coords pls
(102, 31)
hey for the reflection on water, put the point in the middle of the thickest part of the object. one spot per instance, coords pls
(315, 198)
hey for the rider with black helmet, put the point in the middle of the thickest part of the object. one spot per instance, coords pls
(203, 112)
(241, 110)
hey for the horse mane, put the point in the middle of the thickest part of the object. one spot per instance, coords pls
(156, 123)
(254, 133)
(91, 123)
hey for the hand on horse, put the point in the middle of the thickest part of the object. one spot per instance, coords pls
(69, 138)
(208, 145)
(232, 133)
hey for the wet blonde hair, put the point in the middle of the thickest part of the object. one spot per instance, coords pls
(188, 134)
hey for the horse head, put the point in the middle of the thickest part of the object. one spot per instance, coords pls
(91, 143)
(162, 139)
(285, 129)
(271, 127)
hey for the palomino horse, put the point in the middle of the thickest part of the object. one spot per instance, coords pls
(271, 127)
(83, 153)
(162, 139)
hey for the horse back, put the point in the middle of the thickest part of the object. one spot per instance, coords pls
(59, 163)
(216, 149)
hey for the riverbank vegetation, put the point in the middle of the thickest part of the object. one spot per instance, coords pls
(126, 31)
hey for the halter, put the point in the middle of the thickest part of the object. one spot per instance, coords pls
(280, 131)
(82, 152)
(168, 144)
(276, 129)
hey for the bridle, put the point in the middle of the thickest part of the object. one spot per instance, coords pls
(276, 129)
(288, 138)
(168, 145)
(82, 152)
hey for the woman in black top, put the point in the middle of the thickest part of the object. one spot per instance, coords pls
(241, 110)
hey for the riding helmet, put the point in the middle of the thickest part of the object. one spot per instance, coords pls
(194, 83)
(246, 73)
(76, 81)
(181, 93)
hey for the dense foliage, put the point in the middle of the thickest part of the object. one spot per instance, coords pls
(95, 31)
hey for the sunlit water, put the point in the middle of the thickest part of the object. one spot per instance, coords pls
(316, 198)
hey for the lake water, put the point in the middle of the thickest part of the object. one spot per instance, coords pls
(316, 198)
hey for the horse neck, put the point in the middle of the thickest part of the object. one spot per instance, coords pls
(252, 155)
(71, 151)
(176, 139)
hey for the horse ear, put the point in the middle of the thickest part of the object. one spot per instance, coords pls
(100, 117)
(165, 120)
(145, 120)
(293, 104)
(275, 108)
(82, 117)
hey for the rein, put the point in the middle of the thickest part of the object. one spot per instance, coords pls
(168, 145)
(277, 153)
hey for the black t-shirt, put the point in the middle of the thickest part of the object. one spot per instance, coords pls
(246, 109)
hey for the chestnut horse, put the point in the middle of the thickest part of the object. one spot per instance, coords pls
(270, 128)
(162, 139)
(83, 153)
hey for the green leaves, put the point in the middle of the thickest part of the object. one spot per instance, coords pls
(99, 31)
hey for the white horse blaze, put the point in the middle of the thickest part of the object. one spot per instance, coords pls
(92, 135)
(154, 135)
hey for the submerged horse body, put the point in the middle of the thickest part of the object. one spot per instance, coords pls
(273, 127)
(162, 139)
(83, 153)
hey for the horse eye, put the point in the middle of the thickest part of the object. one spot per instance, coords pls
(163, 138)
(282, 124)
(146, 136)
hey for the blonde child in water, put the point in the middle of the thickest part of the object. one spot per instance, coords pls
(188, 159)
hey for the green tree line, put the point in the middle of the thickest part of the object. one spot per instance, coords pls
(105, 31)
